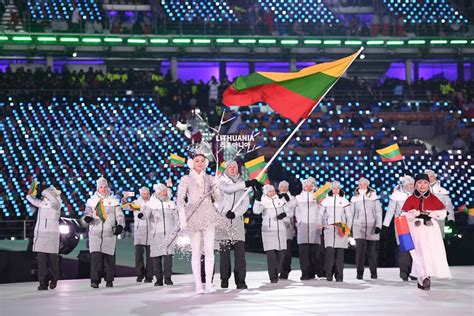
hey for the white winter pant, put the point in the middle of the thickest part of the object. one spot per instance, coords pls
(207, 236)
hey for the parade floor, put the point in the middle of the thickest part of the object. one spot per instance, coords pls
(386, 296)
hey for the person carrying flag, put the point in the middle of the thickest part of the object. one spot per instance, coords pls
(105, 218)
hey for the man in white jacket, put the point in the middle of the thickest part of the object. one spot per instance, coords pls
(289, 221)
(443, 195)
(106, 220)
(46, 235)
(400, 194)
(309, 236)
(232, 187)
(141, 236)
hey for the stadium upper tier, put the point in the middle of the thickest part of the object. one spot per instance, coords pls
(245, 17)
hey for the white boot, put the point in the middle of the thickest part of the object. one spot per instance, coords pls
(210, 288)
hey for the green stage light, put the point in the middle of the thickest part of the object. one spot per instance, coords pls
(224, 40)
(332, 42)
(247, 41)
(312, 42)
(136, 41)
(113, 40)
(201, 41)
(352, 42)
(395, 43)
(416, 42)
(21, 38)
(3, 38)
(46, 39)
(69, 39)
(289, 42)
(181, 40)
(267, 41)
(91, 40)
(438, 42)
(159, 40)
(376, 42)
(458, 42)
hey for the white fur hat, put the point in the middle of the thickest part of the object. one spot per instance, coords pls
(335, 184)
(362, 180)
(430, 172)
(407, 180)
(102, 182)
(283, 184)
(144, 189)
(267, 188)
(159, 187)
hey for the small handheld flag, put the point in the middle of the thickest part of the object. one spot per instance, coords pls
(100, 211)
(464, 209)
(221, 168)
(390, 153)
(176, 161)
(342, 229)
(403, 233)
(33, 190)
(321, 193)
(254, 166)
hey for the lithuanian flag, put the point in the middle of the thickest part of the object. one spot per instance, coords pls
(321, 193)
(342, 229)
(390, 153)
(464, 209)
(254, 166)
(292, 94)
(100, 211)
(176, 161)
(221, 168)
(33, 191)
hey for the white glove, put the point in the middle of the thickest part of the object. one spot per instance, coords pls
(351, 241)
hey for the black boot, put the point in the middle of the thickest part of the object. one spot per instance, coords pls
(168, 281)
(43, 286)
(360, 276)
(224, 284)
(109, 284)
(148, 280)
(242, 286)
(94, 284)
(140, 278)
(159, 282)
(373, 276)
(53, 284)
(283, 276)
(273, 280)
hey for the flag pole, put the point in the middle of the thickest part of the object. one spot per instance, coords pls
(267, 165)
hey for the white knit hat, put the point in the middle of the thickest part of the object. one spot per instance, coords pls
(267, 188)
(101, 182)
(407, 180)
(283, 184)
(430, 172)
(144, 189)
(362, 180)
(159, 187)
(309, 181)
(335, 184)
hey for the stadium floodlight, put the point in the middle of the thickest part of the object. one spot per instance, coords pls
(201, 41)
(394, 43)
(267, 41)
(22, 38)
(91, 40)
(181, 40)
(113, 40)
(352, 42)
(247, 41)
(289, 42)
(438, 42)
(136, 41)
(375, 42)
(159, 40)
(46, 39)
(458, 42)
(332, 42)
(224, 40)
(312, 42)
(416, 42)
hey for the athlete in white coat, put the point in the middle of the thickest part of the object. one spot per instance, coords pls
(46, 235)
(106, 220)
(289, 221)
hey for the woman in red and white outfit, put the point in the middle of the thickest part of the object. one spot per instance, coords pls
(429, 255)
